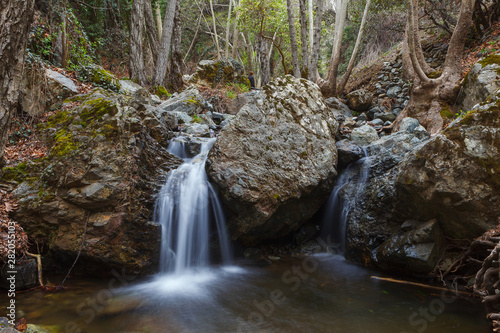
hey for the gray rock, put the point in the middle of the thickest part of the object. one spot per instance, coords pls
(196, 129)
(274, 164)
(359, 100)
(234, 106)
(348, 152)
(64, 81)
(189, 101)
(387, 116)
(338, 106)
(26, 277)
(364, 135)
(129, 87)
(377, 122)
(417, 250)
(413, 126)
(480, 82)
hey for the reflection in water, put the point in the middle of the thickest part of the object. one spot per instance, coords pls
(322, 293)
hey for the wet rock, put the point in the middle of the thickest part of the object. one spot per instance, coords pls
(106, 161)
(364, 135)
(359, 100)
(454, 177)
(348, 152)
(274, 164)
(417, 250)
(26, 277)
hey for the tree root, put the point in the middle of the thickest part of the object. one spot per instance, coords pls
(39, 267)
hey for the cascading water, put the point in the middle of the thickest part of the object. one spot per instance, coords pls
(186, 208)
(338, 206)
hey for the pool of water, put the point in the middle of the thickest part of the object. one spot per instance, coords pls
(322, 293)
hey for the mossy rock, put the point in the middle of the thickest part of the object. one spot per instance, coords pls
(99, 77)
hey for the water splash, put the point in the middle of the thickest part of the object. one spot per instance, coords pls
(187, 208)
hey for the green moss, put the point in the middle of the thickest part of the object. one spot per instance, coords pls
(64, 143)
(435, 74)
(489, 60)
(162, 92)
(276, 196)
(15, 173)
(97, 109)
(197, 119)
(192, 101)
(446, 113)
(108, 131)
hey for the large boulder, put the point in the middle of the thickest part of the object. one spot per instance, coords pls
(213, 72)
(189, 101)
(40, 89)
(364, 135)
(480, 82)
(359, 100)
(274, 164)
(455, 176)
(106, 160)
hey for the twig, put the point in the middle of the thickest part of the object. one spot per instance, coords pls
(421, 285)
(39, 266)
(79, 251)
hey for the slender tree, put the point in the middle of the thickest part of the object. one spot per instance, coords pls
(329, 85)
(166, 39)
(313, 67)
(136, 47)
(151, 30)
(174, 76)
(215, 29)
(350, 66)
(15, 21)
(293, 39)
(303, 36)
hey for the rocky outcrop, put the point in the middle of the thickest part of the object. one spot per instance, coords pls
(274, 164)
(213, 72)
(480, 82)
(359, 100)
(40, 89)
(371, 197)
(106, 161)
(455, 177)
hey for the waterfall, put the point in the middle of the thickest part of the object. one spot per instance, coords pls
(352, 181)
(187, 209)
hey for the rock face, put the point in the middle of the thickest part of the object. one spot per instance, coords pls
(41, 89)
(481, 82)
(364, 135)
(371, 198)
(274, 164)
(359, 100)
(106, 161)
(213, 72)
(455, 177)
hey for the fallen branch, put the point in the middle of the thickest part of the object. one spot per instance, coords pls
(39, 266)
(465, 293)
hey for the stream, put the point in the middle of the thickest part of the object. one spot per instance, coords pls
(322, 293)
(193, 293)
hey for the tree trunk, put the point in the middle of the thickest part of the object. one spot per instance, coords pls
(58, 20)
(159, 26)
(329, 86)
(293, 39)
(311, 25)
(152, 32)
(313, 68)
(228, 27)
(262, 47)
(215, 30)
(236, 34)
(175, 75)
(15, 22)
(345, 78)
(166, 39)
(430, 96)
(303, 37)
(136, 51)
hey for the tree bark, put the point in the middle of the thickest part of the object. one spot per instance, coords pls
(311, 25)
(293, 39)
(215, 30)
(236, 34)
(136, 48)
(313, 67)
(166, 39)
(262, 47)
(175, 75)
(228, 27)
(329, 86)
(159, 25)
(15, 22)
(430, 96)
(303, 36)
(151, 30)
(347, 74)
(58, 20)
